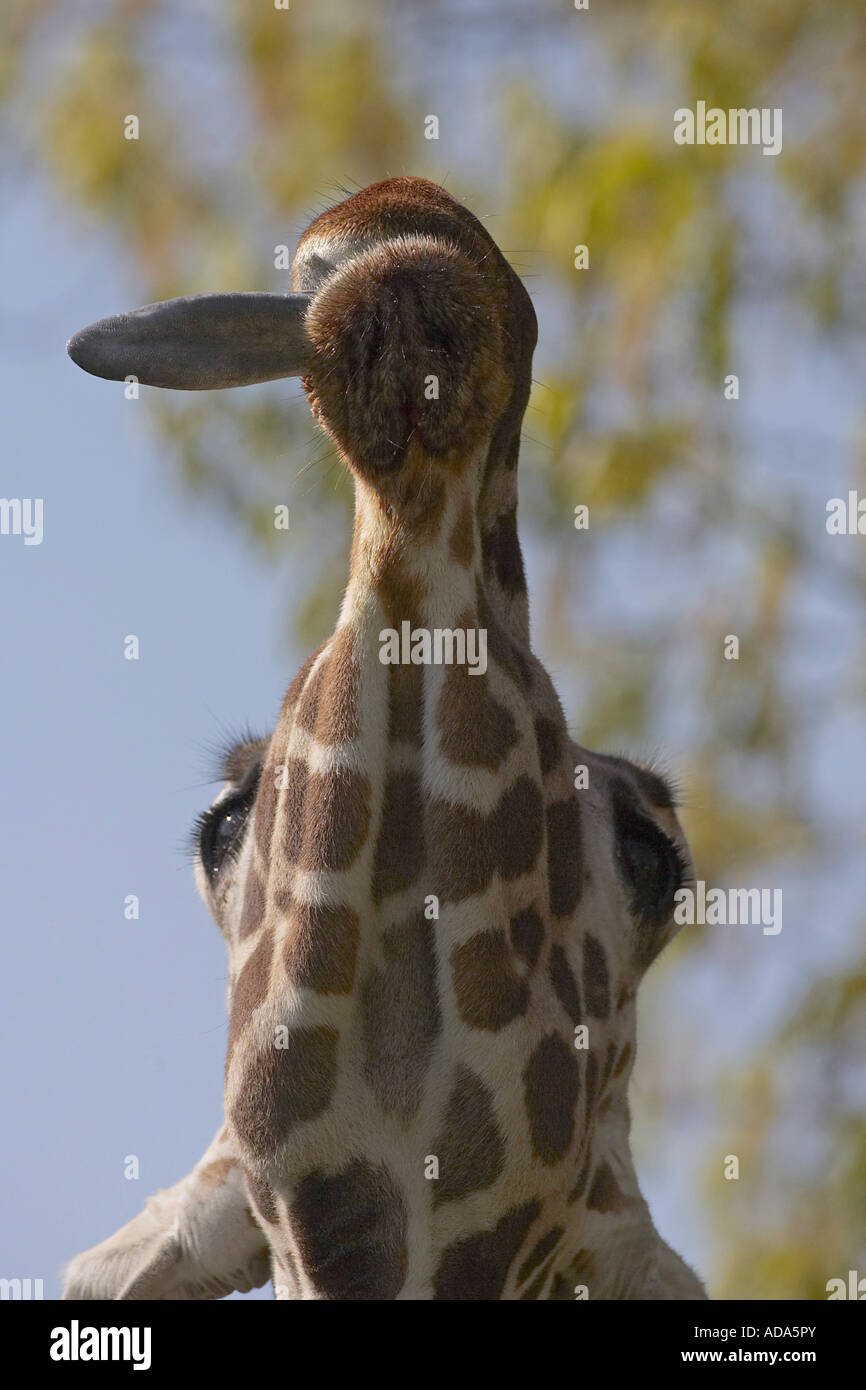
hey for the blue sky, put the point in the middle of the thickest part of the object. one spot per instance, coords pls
(113, 1029)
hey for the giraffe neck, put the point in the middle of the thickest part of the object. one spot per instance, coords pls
(401, 912)
(422, 561)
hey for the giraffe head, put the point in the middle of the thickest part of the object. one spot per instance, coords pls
(422, 336)
(437, 907)
(414, 338)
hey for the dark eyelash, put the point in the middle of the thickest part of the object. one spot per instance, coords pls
(192, 838)
(245, 792)
(219, 754)
(681, 859)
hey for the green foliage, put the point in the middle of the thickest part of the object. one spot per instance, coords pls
(628, 411)
(800, 1200)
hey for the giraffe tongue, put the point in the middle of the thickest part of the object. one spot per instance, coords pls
(202, 342)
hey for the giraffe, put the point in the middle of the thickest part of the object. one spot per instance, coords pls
(435, 930)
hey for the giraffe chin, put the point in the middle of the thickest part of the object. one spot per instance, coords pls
(408, 361)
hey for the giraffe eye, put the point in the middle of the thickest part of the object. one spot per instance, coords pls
(219, 833)
(652, 867)
(227, 827)
(650, 864)
(221, 830)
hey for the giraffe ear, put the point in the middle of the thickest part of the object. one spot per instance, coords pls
(202, 342)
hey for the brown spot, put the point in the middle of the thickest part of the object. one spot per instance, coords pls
(469, 1148)
(338, 721)
(253, 911)
(489, 993)
(400, 1017)
(460, 851)
(307, 707)
(400, 851)
(477, 1266)
(350, 1228)
(402, 594)
(539, 1252)
(283, 1087)
(527, 934)
(406, 705)
(564, 856)
(596, 988)
(517, 828)
(336, 819)
(328, 704)
(322, 946)
(462, 540)
(475, 730)
(293, 778)
(605, 1193)
(251, 987)
(282, 896)
(551, 1083)
(564, 984)
(501, 551)
(583, 1264)
(547, 736)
